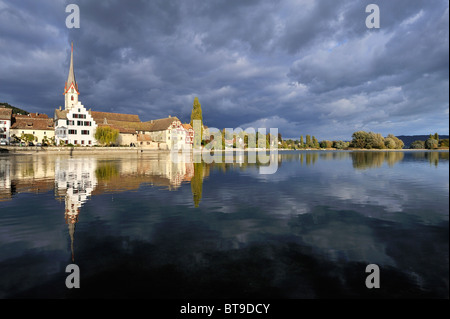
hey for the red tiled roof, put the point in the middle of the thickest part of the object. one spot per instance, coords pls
(5, 113)
(161, 124)
(33, 124)
(100, 116)
(121, 129)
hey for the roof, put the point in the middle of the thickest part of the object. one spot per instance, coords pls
(5, 113)
(121, 129)
(161, 124)
(137, 126)
(59, 114)
(71, 78)
(100, 116)
(33, 124)
(187, 126)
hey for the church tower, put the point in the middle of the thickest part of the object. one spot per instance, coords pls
(71, 89)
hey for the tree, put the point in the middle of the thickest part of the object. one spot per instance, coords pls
(375, 140)
(315, 142)
(444, 142)
(431, 143)
(27, 137)
(398, 142)
(308, 141)
(417, 145)
(326, 144)
(196, 114)
(359, 139)
(340, 145)
(436, 137)
(106, 135)
(389, 143)
(301, 141)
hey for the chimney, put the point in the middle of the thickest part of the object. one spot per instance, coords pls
(60, 108)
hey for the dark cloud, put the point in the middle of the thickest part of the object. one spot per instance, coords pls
(308, 67)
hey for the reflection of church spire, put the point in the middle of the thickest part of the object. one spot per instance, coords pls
(71, 217)
(71, 233)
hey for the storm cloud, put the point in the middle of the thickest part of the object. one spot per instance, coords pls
(305, 67)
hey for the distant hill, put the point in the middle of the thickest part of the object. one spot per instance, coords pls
(15, 110)
(408, 139)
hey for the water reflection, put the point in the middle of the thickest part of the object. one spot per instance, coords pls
(321, 218)
(374, 159)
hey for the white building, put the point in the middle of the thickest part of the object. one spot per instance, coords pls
(171, 134)
(74, 125)
(5, 124)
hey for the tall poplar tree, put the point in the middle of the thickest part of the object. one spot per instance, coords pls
(197, 115)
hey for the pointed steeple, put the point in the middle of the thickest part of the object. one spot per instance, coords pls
(71, 78)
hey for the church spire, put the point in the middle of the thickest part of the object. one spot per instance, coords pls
(71, 89)
(71, 78)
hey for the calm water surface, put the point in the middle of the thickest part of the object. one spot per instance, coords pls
(143, 226)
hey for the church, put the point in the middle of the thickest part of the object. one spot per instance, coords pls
(76, 124)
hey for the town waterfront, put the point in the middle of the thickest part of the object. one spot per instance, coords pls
(144, 226)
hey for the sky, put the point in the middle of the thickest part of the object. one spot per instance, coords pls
(304, 67)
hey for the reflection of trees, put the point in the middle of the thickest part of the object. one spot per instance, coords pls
(106, 171)
(432, 157)
(309, 158)
(197, 183)
(365, 160)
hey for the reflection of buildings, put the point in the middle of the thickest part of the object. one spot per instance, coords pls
(74, 177)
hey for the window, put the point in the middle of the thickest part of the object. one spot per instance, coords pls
(79, 110)
(71, 97)
(84, 132)
(87, 123)
(80, 123)
(72, 131)
(75, 116)
(45, 133)
(90, 142)
(82, 142)
(67, 142)
(75, 142)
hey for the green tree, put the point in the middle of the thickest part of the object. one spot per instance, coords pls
(436, 137)
(431, 143)
(196, 114)
(340, 145)
(308, 141)
(359, 139)
(398, 142)
(106, 135)
(389, 143)
(326, 144)
(417, 145)
(315, 142)
(444, 142)
(375, 140)
(27, 137)
(301, 141)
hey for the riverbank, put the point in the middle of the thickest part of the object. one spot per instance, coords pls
(130, 150)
